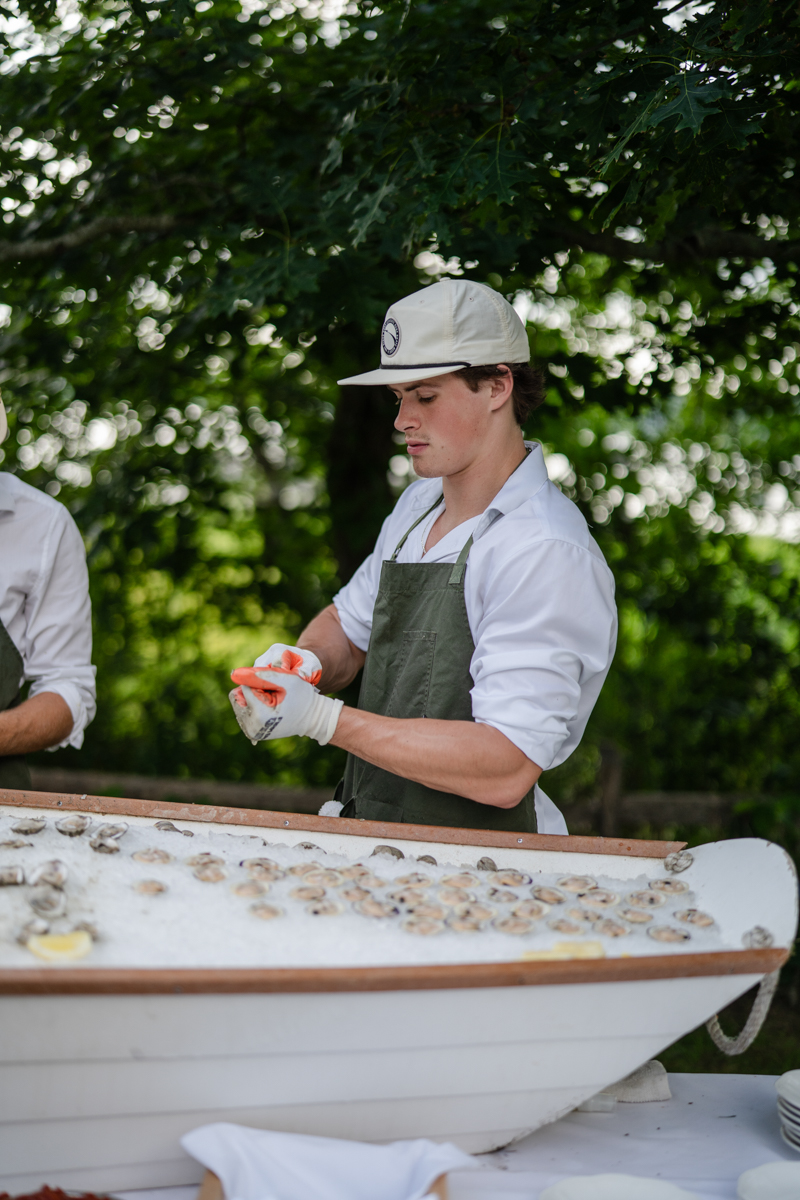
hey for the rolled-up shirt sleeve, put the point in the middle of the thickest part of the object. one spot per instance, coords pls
(543, 644)
(57, 652)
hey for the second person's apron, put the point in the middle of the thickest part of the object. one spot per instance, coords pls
(417, 665)
(14, 771)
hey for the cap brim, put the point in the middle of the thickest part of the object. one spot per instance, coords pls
(392, 375)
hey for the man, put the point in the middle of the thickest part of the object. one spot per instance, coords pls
(484, 620)
(45, 627)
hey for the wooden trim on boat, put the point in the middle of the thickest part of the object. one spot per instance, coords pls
(386, 830)
(87, 981)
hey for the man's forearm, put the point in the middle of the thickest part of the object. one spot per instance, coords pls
(462, 757)
(341, 660)
(37, 723)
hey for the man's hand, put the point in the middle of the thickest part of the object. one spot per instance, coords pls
(293, 660)
(42, 721)
(275, 703)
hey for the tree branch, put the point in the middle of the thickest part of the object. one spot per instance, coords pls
(692, 248)
(16, 251)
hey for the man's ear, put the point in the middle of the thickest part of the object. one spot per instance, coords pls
(501, 388)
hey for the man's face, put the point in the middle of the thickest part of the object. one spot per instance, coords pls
(445, 424)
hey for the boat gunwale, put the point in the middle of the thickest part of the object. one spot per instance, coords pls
(105, 981)
(266, 819)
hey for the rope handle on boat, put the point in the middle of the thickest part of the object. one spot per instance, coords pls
(752, 1026)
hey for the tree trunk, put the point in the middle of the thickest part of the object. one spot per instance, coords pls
(359, 450)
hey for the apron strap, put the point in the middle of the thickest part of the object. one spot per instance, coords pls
(411, 528)
(460, 565)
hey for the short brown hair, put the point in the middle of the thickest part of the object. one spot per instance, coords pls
(529, 387)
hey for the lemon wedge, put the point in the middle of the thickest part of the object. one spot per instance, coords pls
(61, 947)
(565, 950)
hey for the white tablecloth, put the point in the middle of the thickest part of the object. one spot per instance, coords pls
(714, 1128)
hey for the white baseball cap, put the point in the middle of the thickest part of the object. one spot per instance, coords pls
(3, 422)
(449, 325)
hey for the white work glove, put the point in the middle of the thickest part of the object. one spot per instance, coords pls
(275, 703)
(291, 658)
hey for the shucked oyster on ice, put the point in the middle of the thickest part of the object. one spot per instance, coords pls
(265, 869)
(53, 873)
(47, 901)
(29, 825)
(152, 855)
(11, 876)
(73, 825)
(106, 839)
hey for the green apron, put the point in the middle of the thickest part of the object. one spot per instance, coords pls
(418, 666)
(14, 771)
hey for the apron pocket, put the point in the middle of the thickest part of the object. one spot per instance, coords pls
(412, 684)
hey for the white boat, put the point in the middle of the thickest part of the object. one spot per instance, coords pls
(104, 1068)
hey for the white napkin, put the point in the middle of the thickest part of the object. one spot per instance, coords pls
(258, 1164)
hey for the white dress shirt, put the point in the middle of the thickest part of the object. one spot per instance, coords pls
(540, 604)
(44, 598)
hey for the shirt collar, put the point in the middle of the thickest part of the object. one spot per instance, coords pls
(529, 477)
(8, 501)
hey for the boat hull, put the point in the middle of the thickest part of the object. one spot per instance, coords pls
(104, 1069)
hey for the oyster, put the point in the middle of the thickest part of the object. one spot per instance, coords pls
(29, 825)
(611, 928)
(453, 896)
(679, 860)
(34, 928)
(112, 831)
(14, 844)
(645, 899)
(250, 889)
(304, 868)
(60, 947)
(210, 872)
(463, 881)
(149, 887)
(428, 912)
(577, 883)
(47, 901)
(548, 895)
(263, 868)
(354, 894)
(409, 897)
(582, 914)
(514, 925)
(693, 916)
(422, 926)
(486, 864)
(530, 910)
(324, 908)
(670, 887)
(53, 872)
(414, 880)
(502, 896)
(666, 933)
(510, 879)
(308, 846)
(562, 925)
(428, 858)
(205, 860)
(167, 827)
(357, 871)
(308, 893)
(473, 912)
(387, 852)
(11, 876)
(463, 924)
(599, 898)
(152, 855)
(375, 908)
(73, 825)
(636, 916)
(105, 845)
(267, 912)
(325, 877)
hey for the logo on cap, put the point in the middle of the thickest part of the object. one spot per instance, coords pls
(390, 337)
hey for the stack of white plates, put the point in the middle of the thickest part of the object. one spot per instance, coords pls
(788, 1089)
